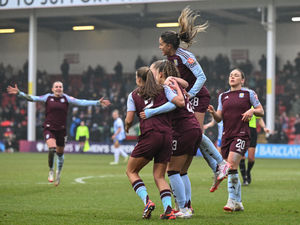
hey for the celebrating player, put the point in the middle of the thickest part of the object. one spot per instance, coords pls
(54, 125)
(234, 108)
(155, 139)
(186, 139)
(191, 71)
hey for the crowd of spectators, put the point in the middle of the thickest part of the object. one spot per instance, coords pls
(95, 83)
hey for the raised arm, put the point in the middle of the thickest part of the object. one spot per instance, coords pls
(83, 102)
(196, 69)
(32, 98)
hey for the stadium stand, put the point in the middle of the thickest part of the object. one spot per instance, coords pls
(94, 83)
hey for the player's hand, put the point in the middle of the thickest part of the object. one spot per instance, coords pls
(173, 84)
(247, 115)
(205, 126)
(168, 80)
(210, 109)
(104, 102)
(13, 90)
(143, 115)
(113, 137)
(267, 131)
(126, 128)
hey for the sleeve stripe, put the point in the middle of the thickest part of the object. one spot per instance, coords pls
(183, 54)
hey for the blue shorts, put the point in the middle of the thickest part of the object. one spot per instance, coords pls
(219, 142)
(116, 140)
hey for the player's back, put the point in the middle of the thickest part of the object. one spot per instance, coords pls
(185, 61)
(183, 119)
(161, 122)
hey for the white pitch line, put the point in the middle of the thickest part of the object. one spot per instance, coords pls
(80, 179)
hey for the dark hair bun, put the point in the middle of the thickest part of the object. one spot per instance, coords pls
(185, 37)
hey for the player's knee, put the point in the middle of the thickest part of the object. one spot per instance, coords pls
(59, 154)
(172, 172)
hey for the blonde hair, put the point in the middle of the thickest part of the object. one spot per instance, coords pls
(187, 28)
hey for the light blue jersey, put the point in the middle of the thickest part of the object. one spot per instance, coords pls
(118, 123)
(220, 133)
(168, 92)
(71, 100)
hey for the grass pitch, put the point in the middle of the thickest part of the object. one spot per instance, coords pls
(93, 192)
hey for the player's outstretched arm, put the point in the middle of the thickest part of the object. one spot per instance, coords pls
(84, 102)
(15, 91)
(104, 102)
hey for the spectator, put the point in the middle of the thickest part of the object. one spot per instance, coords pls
(118, 69)
(263, 63)
(139, 62)
(288, 68)
(297, 64)
(10, 142)
(65, 72)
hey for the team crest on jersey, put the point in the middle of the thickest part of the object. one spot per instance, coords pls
(62, 100)
(241, 95)
(176, 62)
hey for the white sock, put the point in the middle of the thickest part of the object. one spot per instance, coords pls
(123, 153)
(116, 154)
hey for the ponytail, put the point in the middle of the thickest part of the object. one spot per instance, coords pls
(150, 89)
(187, 29)
(167, 67)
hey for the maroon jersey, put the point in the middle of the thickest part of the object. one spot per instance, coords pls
(233, 104)
(184, 118)
(56, 113)
(161, 122)
(185, 72)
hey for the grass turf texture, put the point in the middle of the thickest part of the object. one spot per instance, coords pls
(107, 197)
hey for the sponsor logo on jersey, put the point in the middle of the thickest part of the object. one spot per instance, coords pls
(191, 61)
(241, 95)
